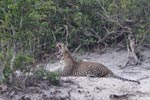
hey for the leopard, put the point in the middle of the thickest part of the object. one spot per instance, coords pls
(71, 67)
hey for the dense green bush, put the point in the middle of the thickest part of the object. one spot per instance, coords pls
(35, 26)
(22, 61)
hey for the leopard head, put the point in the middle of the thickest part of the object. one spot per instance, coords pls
(62, 49)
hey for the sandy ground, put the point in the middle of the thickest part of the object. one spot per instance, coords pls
(85, 88)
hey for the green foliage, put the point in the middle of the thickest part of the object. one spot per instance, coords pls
(1, 57)
(43, 74)
(7, 73)
(22, 61)
(39, 24)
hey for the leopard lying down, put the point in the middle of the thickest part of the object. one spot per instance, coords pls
(70, 67)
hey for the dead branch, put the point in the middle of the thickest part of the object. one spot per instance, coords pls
(132, 51)
(121, 28)
(21, 21)
(13, 59)
(97, 36)
(132, 47)
(14, 48)
(108, 34)
(76, 50)
(115, 20)
(67, 34)
(54, 36)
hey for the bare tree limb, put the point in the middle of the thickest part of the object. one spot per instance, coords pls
(76, 50)
(14, 52)
(97, 36)
(132, 50)
(115, 20)
(67, 34)
(54, 36)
